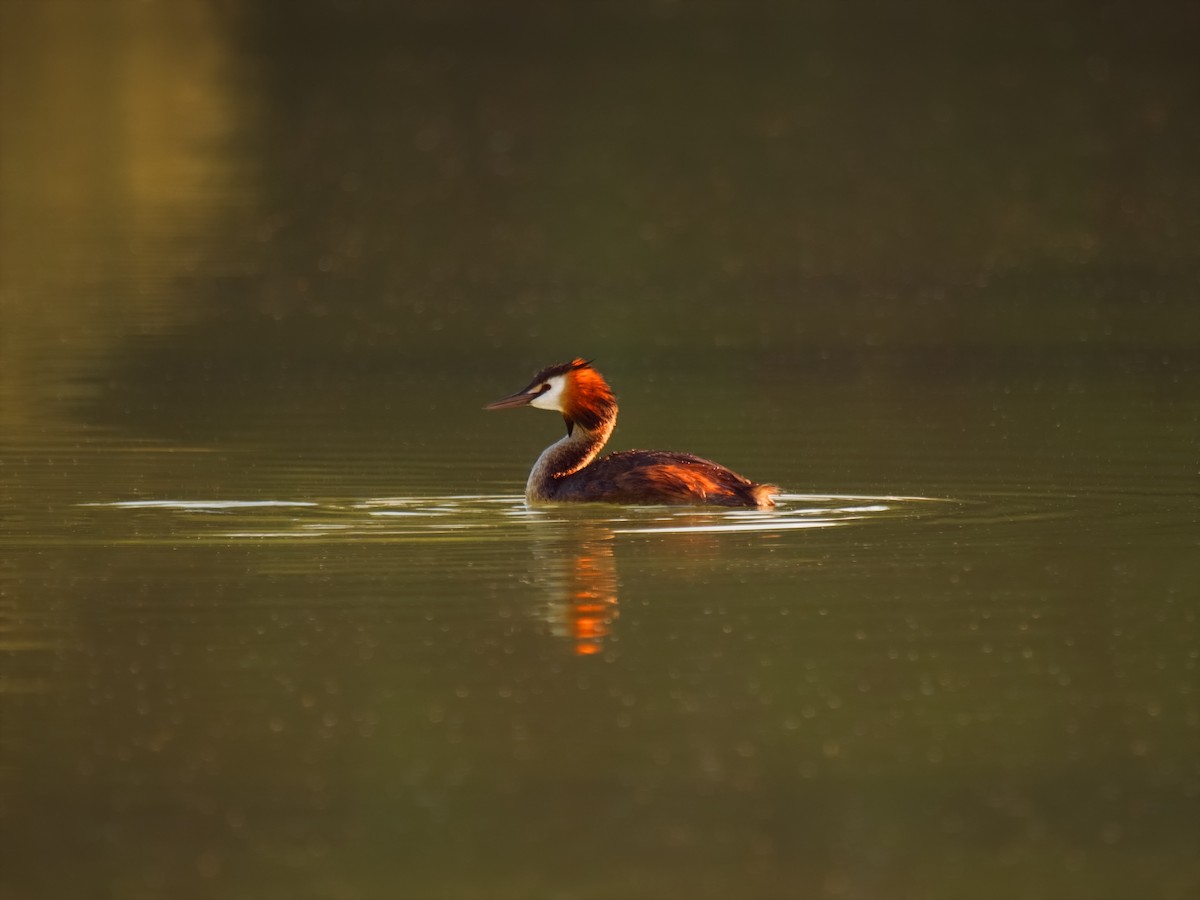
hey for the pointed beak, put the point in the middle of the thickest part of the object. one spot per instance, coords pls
(520, 398)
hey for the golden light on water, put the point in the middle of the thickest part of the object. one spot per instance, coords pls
(109, 116)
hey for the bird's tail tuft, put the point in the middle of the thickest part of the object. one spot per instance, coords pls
(764, 495)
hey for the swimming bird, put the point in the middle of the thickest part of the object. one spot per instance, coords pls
(568, 470)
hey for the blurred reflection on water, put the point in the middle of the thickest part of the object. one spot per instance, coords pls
(272, 616)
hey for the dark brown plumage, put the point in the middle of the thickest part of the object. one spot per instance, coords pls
(568, 471)
(660, 476)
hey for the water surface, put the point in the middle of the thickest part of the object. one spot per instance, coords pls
(274, 618)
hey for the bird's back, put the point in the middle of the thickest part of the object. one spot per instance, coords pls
(661, 477)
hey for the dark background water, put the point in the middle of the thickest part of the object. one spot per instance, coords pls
(273, 621)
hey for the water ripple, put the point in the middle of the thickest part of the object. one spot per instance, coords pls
(488, 517)
(999, 518)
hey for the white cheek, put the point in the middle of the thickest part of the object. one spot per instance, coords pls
(551, 399)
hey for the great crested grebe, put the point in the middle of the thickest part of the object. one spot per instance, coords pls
(568, 471)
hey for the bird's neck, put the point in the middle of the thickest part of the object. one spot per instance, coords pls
(568, 456)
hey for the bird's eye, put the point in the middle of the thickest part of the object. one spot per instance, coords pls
(543, 389)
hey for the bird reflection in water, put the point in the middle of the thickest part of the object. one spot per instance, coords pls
(577, 573)
(579, 577)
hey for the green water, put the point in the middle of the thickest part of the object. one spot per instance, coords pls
(274, 618)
